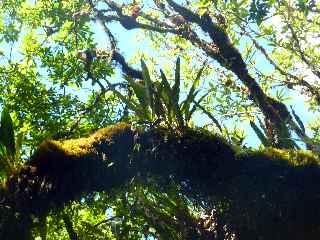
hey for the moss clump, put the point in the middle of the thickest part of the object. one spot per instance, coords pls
(274, 194)
(193, 155)
(282, 156)
(62, 170)
(81, 146)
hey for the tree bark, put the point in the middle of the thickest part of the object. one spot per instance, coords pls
(266, 195)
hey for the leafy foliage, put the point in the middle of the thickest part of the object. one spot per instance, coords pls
(6, 132)
(7, 143)
(49, 91)
(259, 10)
(159, 103)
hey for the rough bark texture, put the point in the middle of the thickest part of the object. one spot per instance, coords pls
(268, 195)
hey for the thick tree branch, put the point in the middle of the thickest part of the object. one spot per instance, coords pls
(265, 193)
(221, 50)
(230, 58)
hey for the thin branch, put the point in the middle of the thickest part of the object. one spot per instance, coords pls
(301, 53)
(299, 81)
(297, 43)
(116, 56)
(112, 39)
(232, 114)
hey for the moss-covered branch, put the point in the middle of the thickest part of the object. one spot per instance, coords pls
(267, 195)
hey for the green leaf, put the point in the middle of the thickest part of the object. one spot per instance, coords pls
(3, 150)
(139, 91)
(178, 115)
(5, 165)
(212, 118)
(176, 86)
(165, 83)
(148, 84)
(264, 140)
(166, 95)
(191, 95)
(19, 140)
(298, 119)
(188, 114)
(139, 110)
(159, 101)
(185, 105)
(6, 132)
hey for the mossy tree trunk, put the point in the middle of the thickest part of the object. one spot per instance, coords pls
(265, 196)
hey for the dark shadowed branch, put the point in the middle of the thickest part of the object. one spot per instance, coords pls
(264, 190)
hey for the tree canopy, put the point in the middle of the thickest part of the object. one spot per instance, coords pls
(159, 119)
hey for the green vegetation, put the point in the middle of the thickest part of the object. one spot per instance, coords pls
(159, 119)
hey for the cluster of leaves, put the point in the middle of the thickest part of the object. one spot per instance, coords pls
(158, 103)
(259, 10)
(138, 211)
(9, 148)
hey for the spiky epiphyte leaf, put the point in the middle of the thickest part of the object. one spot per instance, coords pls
(212, 118)
(192, 92)
(189, 113)
(166, 94)
(148, 83)
(176, 86)
(264, 140)
(138, 109)
(298, 120)
(139, 91)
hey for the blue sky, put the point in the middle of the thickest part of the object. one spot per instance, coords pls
(129, 45)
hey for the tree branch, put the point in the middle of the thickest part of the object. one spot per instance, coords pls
(298, 81)
(225, 53)
(268, 184)
(126, 69)
(230, 58)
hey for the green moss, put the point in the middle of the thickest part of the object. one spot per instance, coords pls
(82, 146)
(286, 156)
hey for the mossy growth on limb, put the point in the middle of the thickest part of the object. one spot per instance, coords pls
(270, 194)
